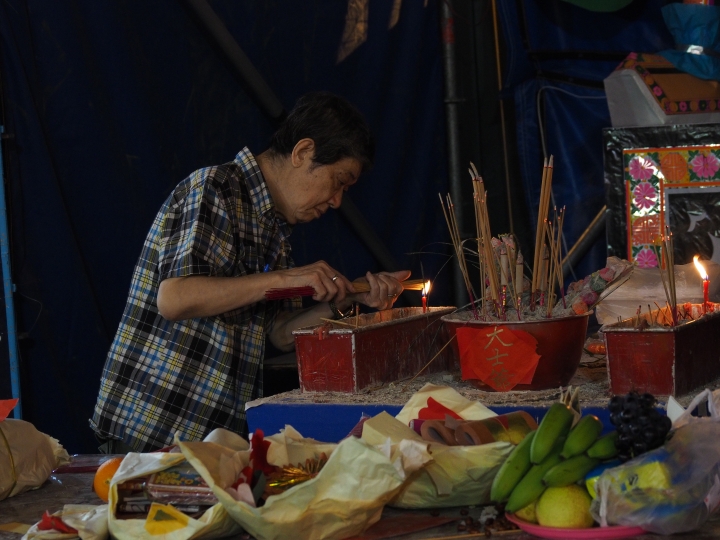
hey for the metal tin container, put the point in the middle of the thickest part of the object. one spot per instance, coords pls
(560, 344)
(385, 346)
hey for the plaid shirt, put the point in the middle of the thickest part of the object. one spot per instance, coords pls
(164, 377)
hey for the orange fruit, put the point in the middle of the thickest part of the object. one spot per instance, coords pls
(105, 473)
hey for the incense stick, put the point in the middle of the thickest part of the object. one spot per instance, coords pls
(451, 222)
(334, 321)
(431, 360)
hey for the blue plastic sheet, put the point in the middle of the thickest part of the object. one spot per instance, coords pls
(694, 27)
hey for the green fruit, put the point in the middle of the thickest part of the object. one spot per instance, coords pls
(569, 471)
(555, 424)
(565, 507)
(512, 470)
(582, 436)
(604, 447)
(531, 486)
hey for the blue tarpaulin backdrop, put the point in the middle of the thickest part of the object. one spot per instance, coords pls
(111, 104)
(556, 57)
(108, 105)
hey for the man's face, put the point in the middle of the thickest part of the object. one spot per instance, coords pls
(311, 190)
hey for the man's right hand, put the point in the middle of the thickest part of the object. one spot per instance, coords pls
(329, 284)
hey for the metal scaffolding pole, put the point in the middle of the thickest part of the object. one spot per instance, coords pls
(453, 136)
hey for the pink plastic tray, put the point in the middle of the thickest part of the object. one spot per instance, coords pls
(576, 534)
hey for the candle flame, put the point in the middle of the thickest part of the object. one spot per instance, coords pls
(426, 288)
(700, 267)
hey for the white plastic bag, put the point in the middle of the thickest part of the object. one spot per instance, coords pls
(712, 399)
(669, 490)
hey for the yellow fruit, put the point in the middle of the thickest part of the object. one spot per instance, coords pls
(528, 513)
(566, 507)
(101, 482)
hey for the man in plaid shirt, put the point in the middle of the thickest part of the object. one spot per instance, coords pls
(188, 353)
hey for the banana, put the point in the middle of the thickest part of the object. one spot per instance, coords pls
(569, 471)
(512, 470)
(531, 486)
(555, 424)
(604, 447)
(582, 436)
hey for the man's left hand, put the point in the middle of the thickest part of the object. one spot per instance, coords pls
(384, 289)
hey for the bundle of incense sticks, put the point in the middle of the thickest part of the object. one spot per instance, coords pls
(553, 275)
(360, 286)
(545, 192)
(488, 257)
(289, 292)
(501, 263)
(669, 259)
(454, 230)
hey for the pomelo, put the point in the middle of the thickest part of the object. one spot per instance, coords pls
(565, 507)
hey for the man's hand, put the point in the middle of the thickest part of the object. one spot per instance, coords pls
(384, 289)
(329, 284)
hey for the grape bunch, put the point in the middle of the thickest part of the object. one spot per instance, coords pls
(640, 426)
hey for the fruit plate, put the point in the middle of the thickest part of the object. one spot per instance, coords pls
(615, 531)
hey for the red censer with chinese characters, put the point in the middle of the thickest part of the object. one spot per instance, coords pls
(519, 355)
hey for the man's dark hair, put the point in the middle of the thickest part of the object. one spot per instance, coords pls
(336, 126)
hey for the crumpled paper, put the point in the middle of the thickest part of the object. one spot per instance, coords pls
(89, 520)
(289, 447)
(345, 498)
(457, 476)
(449, 397)
(27, 457)
(164, 520)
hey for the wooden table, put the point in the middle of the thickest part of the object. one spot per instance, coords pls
(76, 488)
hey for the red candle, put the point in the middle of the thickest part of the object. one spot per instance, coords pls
(425, 290)
(706, 282)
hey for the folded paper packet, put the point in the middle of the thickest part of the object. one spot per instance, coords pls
(437, 431)
(457, 476)
(511, 427)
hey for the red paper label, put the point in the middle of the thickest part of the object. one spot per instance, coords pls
(498, 356)
(7, 405)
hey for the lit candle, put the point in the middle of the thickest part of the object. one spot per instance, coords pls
(425, 291)
(706, 281)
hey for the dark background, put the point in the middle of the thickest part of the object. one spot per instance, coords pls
(107, 105)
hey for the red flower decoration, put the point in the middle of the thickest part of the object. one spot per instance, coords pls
(645, 195)
(258, 453)
(54, 523)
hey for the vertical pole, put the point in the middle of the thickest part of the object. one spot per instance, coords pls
(453, 136)
(9, 289)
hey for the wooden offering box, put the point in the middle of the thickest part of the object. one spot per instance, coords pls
(384, 347)
(663, 361)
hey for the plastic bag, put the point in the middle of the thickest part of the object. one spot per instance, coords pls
(346, 496)
(164, 520)
(669, 490)
(711, 402)
(27, 457)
